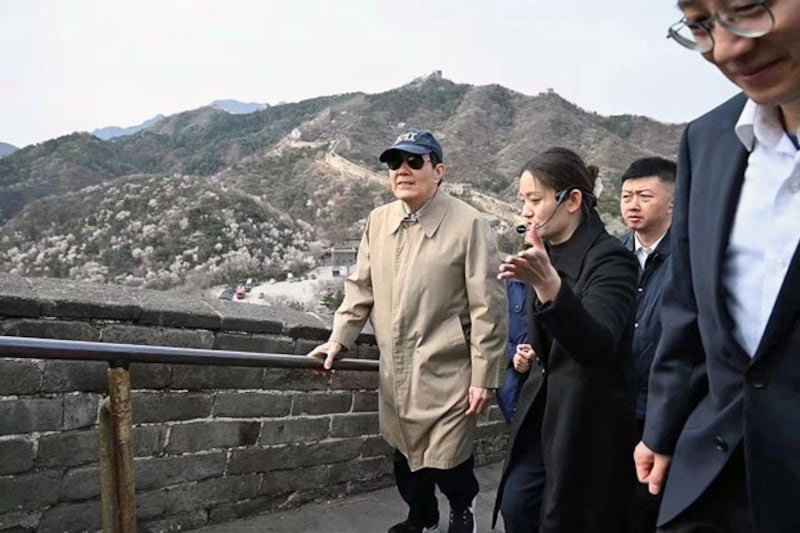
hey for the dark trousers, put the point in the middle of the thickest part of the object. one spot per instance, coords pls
(643, 506)
(524, 485)
(418, 489)
(722, 508)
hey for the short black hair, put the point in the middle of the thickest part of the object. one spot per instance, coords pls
(646, 167)
(434, 159)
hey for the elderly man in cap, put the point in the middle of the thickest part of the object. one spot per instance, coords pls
(425, 277)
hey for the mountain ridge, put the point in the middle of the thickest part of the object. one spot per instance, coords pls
(308, 167)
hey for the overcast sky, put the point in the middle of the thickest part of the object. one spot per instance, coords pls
(77, 65)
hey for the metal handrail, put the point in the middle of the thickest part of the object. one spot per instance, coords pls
(122, 354)
(118, 487)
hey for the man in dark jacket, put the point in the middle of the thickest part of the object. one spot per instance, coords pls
(646, 204)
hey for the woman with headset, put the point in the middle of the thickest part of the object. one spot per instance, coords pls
(568, 467)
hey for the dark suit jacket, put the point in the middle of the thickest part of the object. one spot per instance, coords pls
(582, 381)
(706, 394)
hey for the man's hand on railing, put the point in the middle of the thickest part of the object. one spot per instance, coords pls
(330, 351)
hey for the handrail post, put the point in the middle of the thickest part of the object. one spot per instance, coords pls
(119, 390)
(108, 472)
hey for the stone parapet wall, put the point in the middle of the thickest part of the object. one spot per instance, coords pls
(211, 443)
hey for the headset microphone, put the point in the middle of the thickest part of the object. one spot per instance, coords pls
(561, 196)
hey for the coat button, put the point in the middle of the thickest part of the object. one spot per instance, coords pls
(756, 381)
(720, 444)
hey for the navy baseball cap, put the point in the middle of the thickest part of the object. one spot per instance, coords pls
(415, 141)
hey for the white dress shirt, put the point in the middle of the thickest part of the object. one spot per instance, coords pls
(766, 227)
(641, 251)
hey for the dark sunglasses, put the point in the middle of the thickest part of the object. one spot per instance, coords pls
(395, 160)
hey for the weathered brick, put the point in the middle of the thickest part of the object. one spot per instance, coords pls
(365, 401)
(150, 375)
(215, 377)
(51, 329)
(293, 379)
(254, 343)
(80, 410)
(155, 473)
(368, 351)
(149, 440)
(354, 425)
(194, 496)
(20, 521)
(20, 376)
(169, 406)
(29, 491)
(281, 481)
(86, 516)
(293, 456)
(318, 403)
(490, 429)
(251, 404)
(156, 336)
(250, 318)
(303, 346)
(174, 523)
(16, 455)
(368, 485)
(68, 448)
(17, 297)
(303, 325)
(162, 308)
(376, 447)
(295, 430)
(80, 299)
(360, 469)
(247, 508)
(25, 416)
(69, 376)
(82, 483)
(198, 436)
(355, 380)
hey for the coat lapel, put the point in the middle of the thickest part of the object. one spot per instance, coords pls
(727, 163)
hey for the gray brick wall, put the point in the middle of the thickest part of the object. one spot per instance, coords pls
(211, 444)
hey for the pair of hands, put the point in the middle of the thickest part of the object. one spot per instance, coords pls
(533, 266)
(479, 397)
(523, 358)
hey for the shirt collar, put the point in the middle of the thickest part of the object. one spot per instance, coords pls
(430, 214)
(763, 124)
(637, 245)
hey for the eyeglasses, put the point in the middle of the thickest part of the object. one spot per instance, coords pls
(745, 18)
(395, 160)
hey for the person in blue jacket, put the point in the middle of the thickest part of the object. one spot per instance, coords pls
(508, 394)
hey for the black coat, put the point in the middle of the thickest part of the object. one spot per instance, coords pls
(583, 383)
(707, 396)
(647, 333)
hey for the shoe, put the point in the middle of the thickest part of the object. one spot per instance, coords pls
(463, 521)
(407, 527)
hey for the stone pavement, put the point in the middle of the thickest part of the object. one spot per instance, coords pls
(370, 512)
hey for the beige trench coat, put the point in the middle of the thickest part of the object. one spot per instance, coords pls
(439, 314)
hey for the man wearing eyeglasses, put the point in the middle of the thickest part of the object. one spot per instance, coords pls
(425, 277)
(723, 413)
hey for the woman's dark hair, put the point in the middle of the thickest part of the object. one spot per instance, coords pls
(562, 169)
